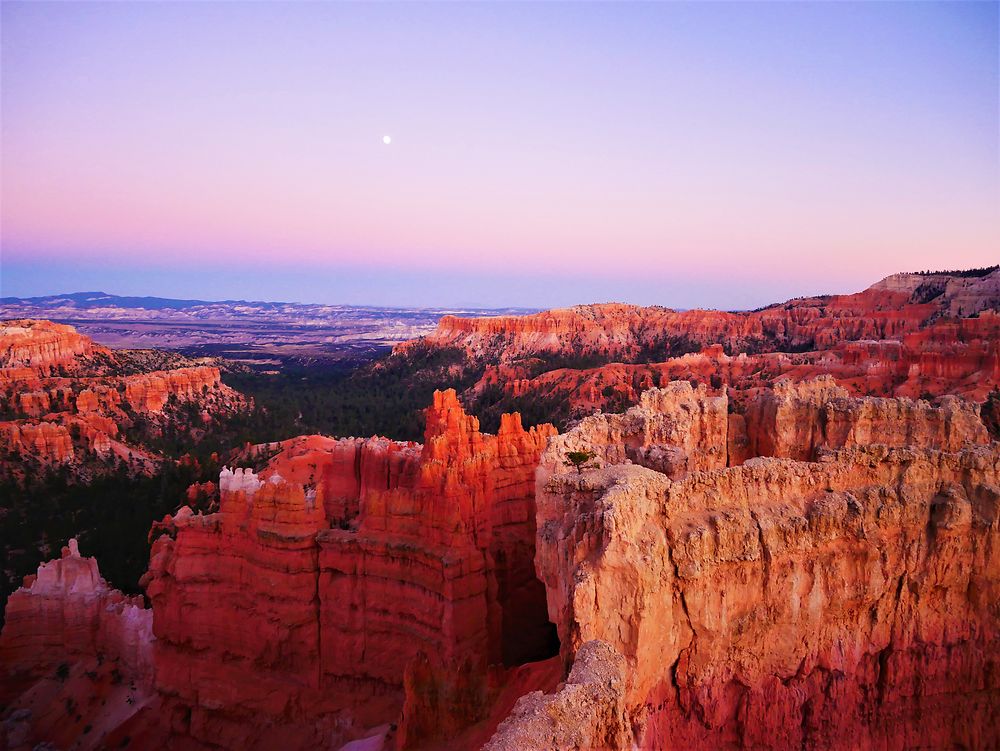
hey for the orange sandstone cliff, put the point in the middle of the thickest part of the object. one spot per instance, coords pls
(846, 597)
(352, 589)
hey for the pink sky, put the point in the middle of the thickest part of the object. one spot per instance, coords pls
(769, 145)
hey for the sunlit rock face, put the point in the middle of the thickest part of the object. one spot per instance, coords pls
(842, 598)
(351, 583)
(909, 335)
(41, 346)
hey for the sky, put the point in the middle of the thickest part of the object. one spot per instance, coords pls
(689, 155)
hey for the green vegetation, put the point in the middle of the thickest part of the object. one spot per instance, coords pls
(578, 459)
(990, 412)
(110, 515)
(386, 397)
(962, 273)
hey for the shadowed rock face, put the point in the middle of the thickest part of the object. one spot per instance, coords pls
(67, 611)
(76, 658)
(849, 602)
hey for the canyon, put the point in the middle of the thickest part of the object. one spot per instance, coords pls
(349, 585)
(784, 537)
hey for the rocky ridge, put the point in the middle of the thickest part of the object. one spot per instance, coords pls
(909, 335)
(68, 402)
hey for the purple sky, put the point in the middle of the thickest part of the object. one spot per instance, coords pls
(687, 155)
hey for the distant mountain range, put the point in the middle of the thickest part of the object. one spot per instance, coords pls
(81, 301)
(235, 328)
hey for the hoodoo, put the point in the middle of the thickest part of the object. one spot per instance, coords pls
(347, 585)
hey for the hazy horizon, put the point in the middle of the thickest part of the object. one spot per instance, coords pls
(542, 155)
(116, 293)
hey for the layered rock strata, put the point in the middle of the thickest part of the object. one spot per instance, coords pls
(960, 357)
(896, 306)
(912, 335)
(846, 602)
(76, 659)
(66, 612)
(68, 401)
(378, 584)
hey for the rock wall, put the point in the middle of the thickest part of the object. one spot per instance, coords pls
(49, 442)
(150, 392)
(41, 346)
(891, 309)
(677, 429)
(375, 582)
(587, 712)
(949, 357)
(849, 602)
(794, 419)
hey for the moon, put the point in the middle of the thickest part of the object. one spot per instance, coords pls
(386, 140)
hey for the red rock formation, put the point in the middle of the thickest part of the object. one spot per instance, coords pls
(71, 397)
(76, 658)
(349, 582)
(737, 566)
(67, 612)
(844, 603)
(675, 430)
(48, 441)
(150, 392)
(42, 346)
(794, 419)
(909, 335)
(945, 358)
(587, 712)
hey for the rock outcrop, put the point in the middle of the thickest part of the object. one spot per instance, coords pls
(847, 602)
(76, 658)
(890, 309)
(67, 612)
(42, 346)
(912, 335)
(150, 392)
(587, 712)
(960, 358)
(352, 583)
(69, 401)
